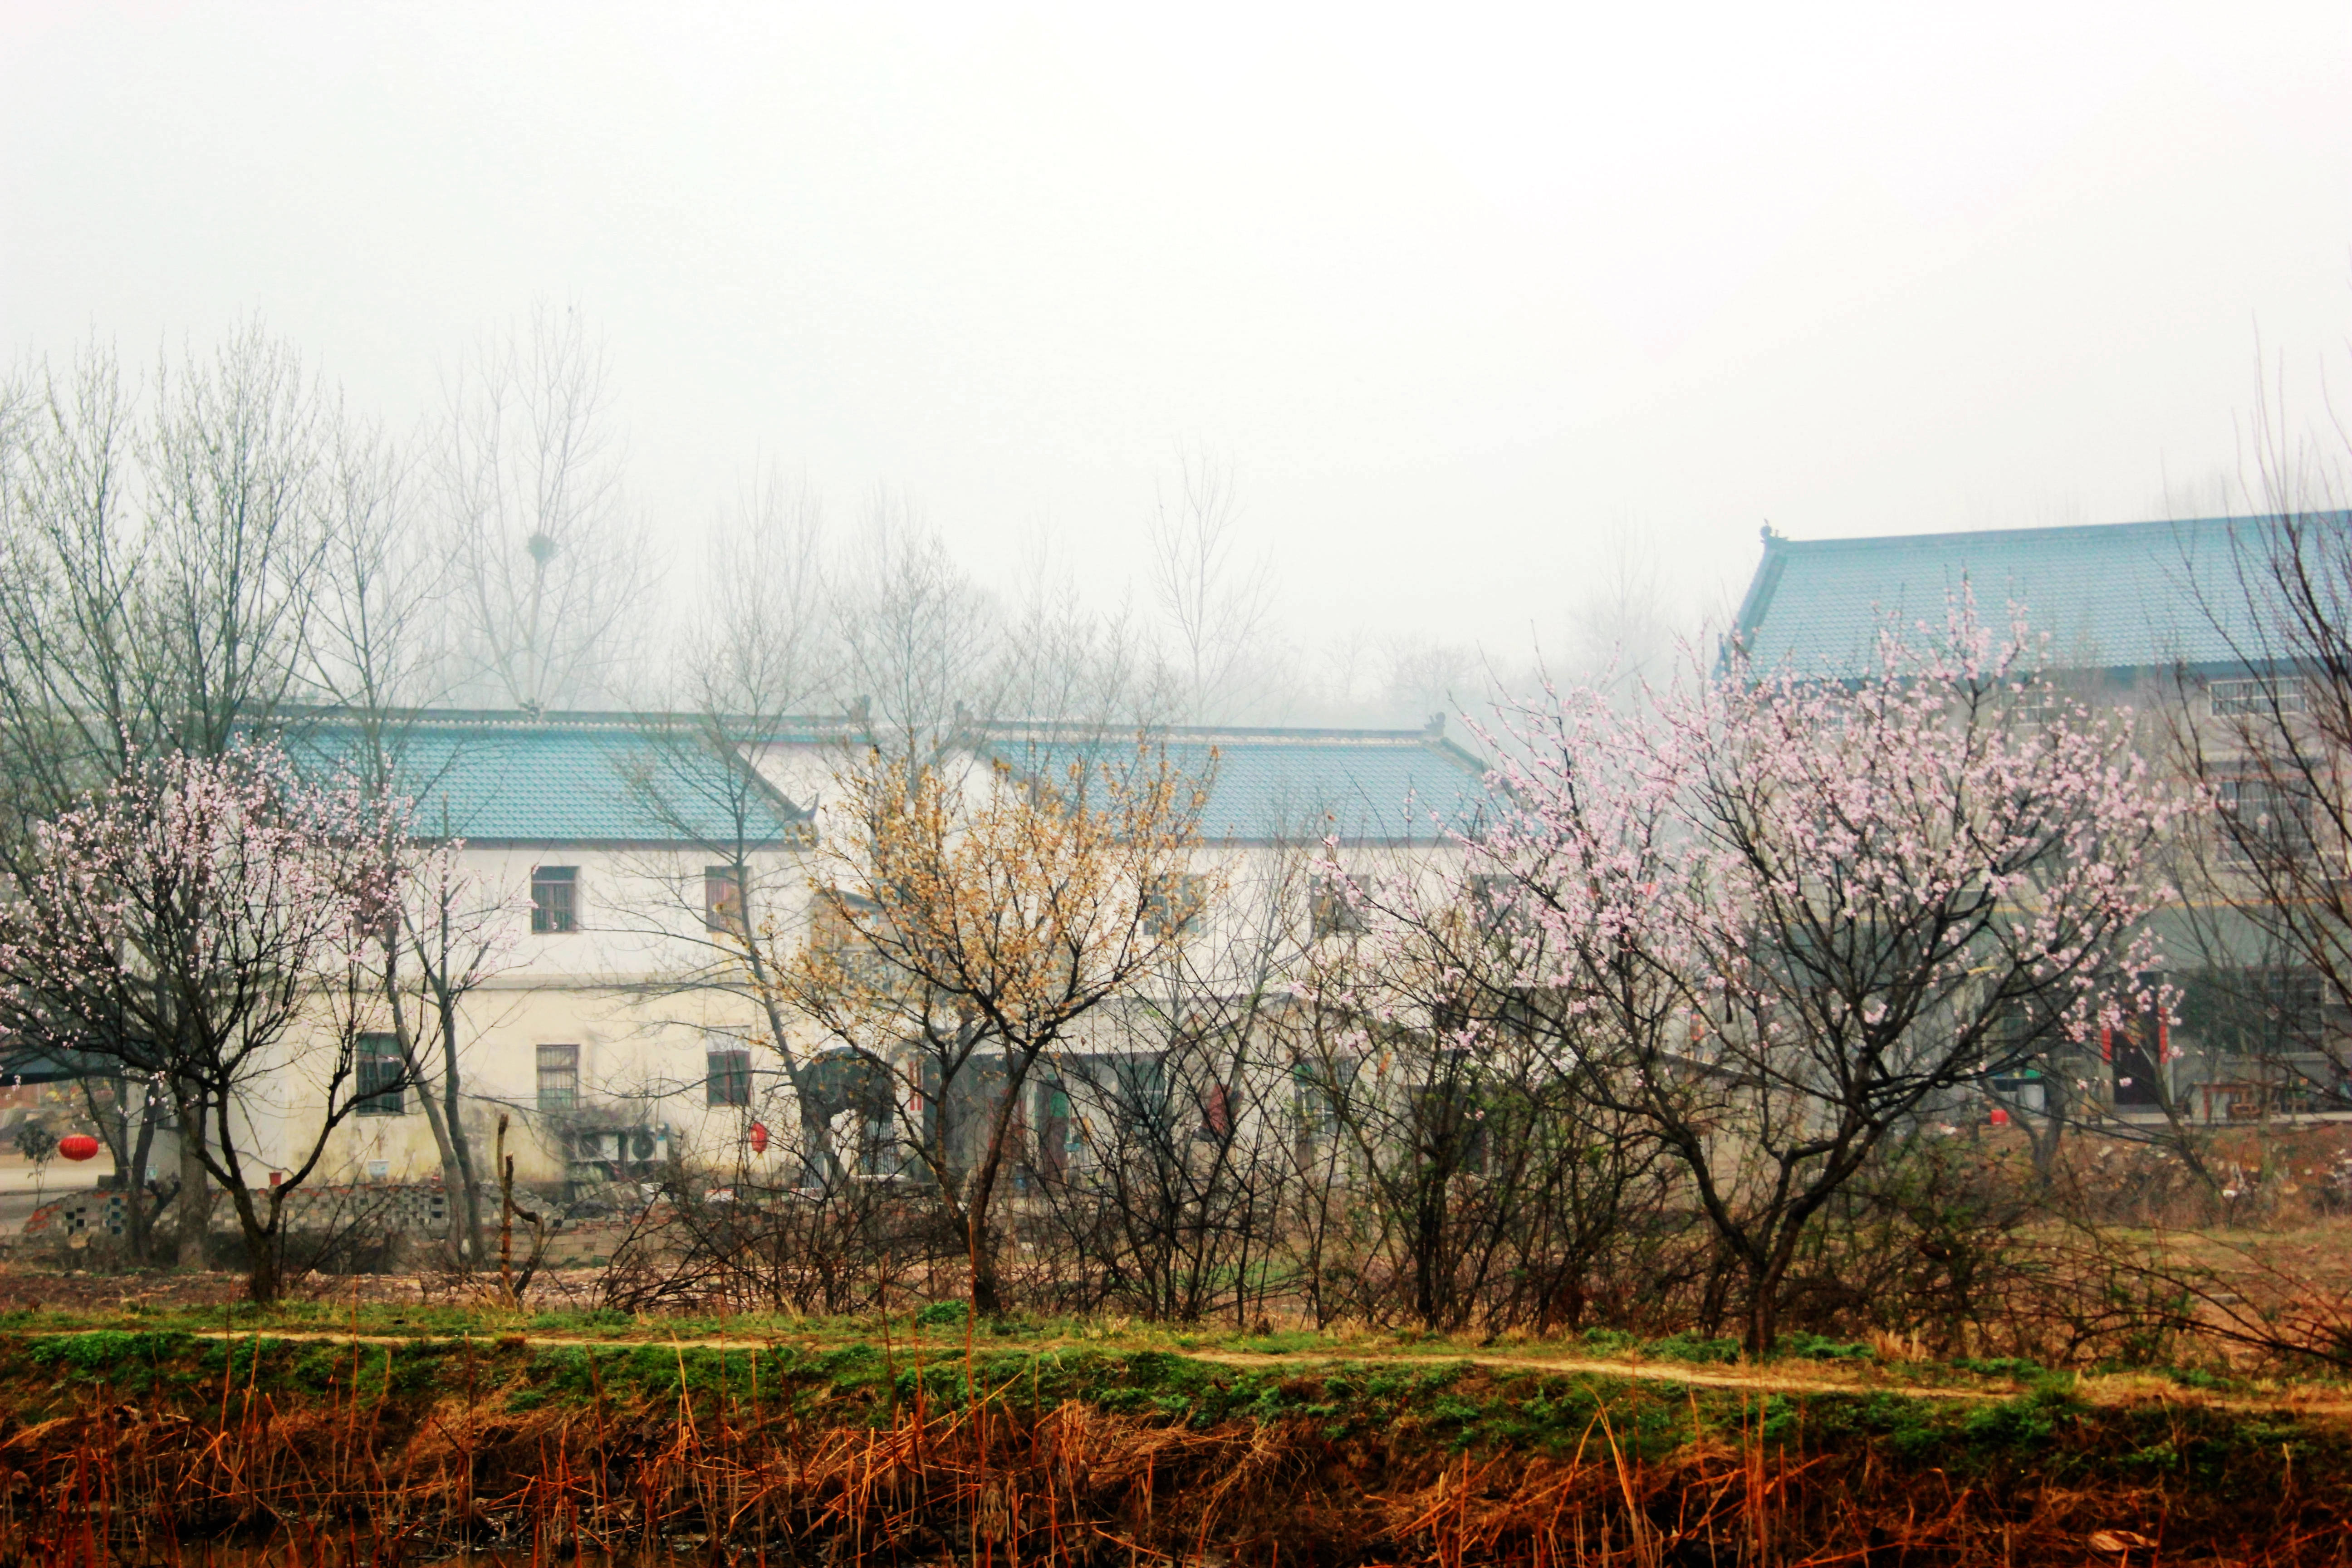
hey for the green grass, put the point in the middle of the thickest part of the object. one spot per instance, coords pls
(1399, 1375)
(843, 1374)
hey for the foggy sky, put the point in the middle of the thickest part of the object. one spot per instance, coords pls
(1465, 298)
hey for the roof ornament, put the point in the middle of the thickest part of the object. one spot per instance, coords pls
(1769, 536)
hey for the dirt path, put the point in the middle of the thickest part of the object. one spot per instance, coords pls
(1761, 1381)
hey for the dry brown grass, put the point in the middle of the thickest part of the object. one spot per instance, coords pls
(378, 1481)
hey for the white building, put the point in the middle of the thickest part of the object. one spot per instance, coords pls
(612, 1022)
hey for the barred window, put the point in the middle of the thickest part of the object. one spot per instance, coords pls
(2037, 707)
(380, 1077)
(729, 1079)
(2242, 699)
(559, 1078)
(2262, 822)
(554, 899)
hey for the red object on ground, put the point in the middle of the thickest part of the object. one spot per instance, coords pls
(758, 1138)
(78, 1146)
(2001, 1116)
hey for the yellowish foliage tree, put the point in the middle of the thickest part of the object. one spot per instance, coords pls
(965, 927)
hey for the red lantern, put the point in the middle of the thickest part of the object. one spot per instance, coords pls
(78, 1146)
(2000, 1116)
(758, 1138)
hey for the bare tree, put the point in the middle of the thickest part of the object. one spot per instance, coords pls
(1068, 667)
(762, 650)
(967, 927)
(1161, 1140)
(2267, 738)
(922, 643)
(380, 656)
(162, 560)
(548, 551)
(453, 934)
(1218, 604)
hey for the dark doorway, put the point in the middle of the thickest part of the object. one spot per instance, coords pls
(2133, 1050)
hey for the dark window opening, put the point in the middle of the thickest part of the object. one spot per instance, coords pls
(1176, 908)
(554, 899)
(1331, 911)
(730, 1077)
(380, 1077)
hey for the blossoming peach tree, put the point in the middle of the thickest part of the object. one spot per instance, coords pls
(215, 927)
(1777, 921)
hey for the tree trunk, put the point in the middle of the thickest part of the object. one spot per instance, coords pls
(1713, 1299)
(1763, 1318)
(1429, 1245)
(507, 1297)
(264, 1252)
(987, 1297)
(987, 1300)
(138, 1209)
(1765, 1278)
(262, 1280)
(511, 1285)
(453, 1175)
(129, 1150)
(461, 1148)
(195, 1202)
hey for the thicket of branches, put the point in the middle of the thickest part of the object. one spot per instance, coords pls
(1689, 1014)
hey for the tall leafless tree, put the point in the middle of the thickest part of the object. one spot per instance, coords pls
(762, 651)
(922, 643)
(1217, 600)
(549, 552)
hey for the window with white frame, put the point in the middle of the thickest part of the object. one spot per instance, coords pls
(2262, 822)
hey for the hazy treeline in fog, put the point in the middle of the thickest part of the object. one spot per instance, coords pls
(499, 553)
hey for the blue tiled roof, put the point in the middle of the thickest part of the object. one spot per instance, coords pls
(1300, 784)
(590, 779)
(559, 781)
(2106, 597)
